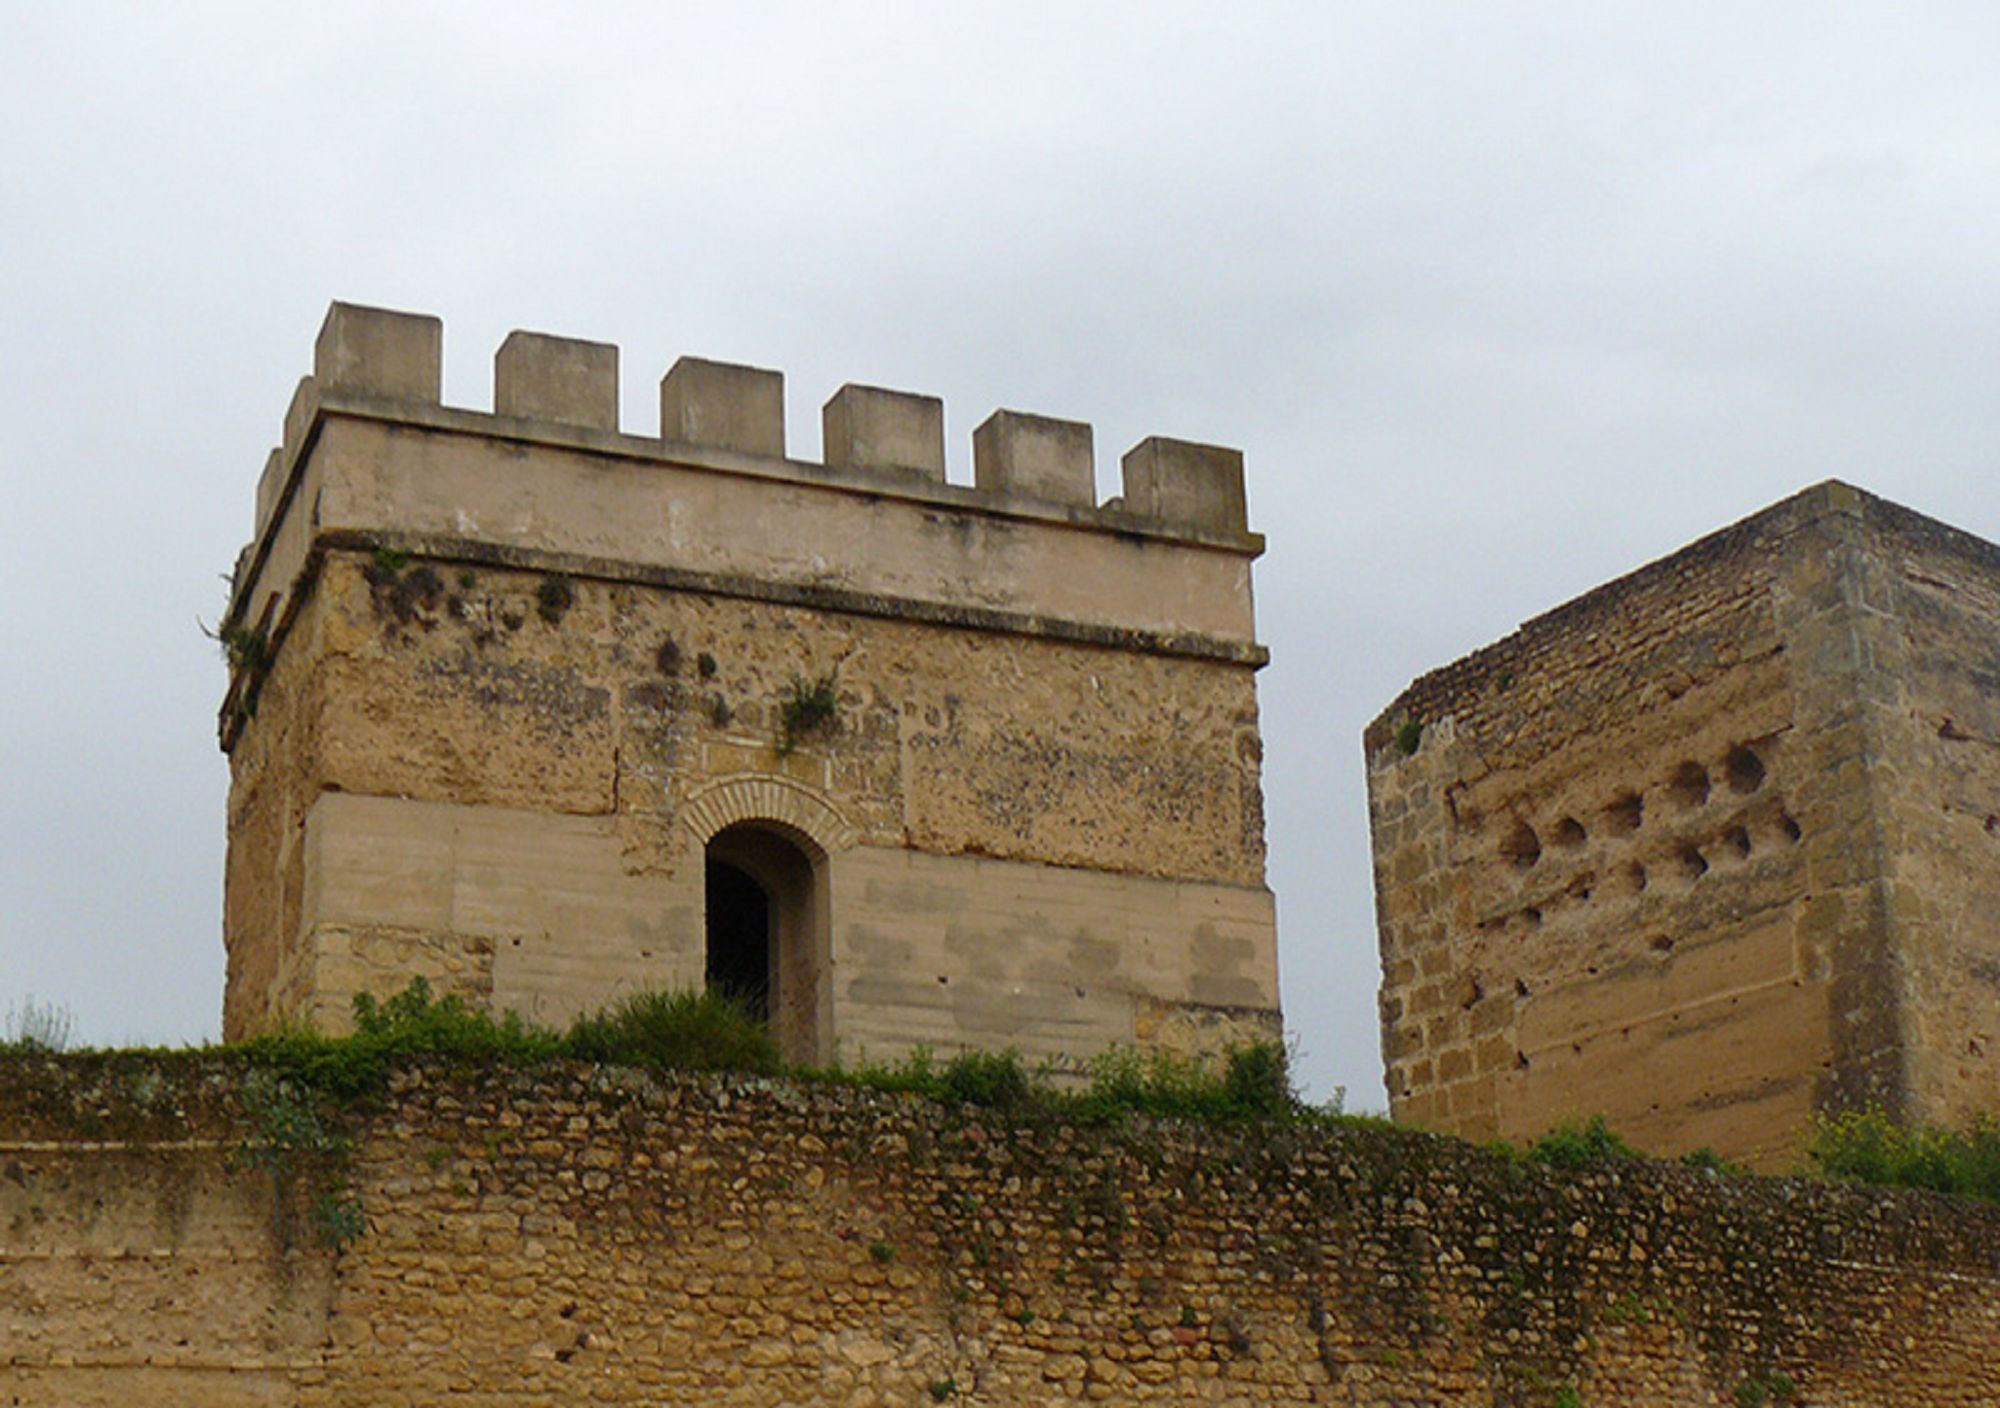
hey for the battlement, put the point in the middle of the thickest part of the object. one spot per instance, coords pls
(546, 711)
(876, 525)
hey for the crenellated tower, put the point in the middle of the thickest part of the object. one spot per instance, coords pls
(546, 712)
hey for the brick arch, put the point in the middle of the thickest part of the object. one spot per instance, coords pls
(769, 799)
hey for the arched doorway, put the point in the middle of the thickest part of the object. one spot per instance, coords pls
(739, 938)
(765, 923)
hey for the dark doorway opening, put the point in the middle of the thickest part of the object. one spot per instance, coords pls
(767, 932)
(739, 938)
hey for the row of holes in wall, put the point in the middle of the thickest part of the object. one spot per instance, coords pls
(1687, 788)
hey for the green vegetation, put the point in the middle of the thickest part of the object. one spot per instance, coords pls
(687, 1031)
(1249, 1083)
(808, 707)
(1869, 1147)
(652, 1031)
(1410, 736)
(1578, 1144)
(554, 597)
(410, 1024)
(244, 649)
(1254, 1083)
(1761, 1389)
(297, 1143)
(700, 1031)
(995, 1079)
(1710, 1161)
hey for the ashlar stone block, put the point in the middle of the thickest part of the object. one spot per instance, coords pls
(562, 379)
(1035, 457)
(1181, 482)
(380, 352)
(724, 406)
(869, 428)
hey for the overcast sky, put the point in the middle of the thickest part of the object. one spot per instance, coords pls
(1499, 300)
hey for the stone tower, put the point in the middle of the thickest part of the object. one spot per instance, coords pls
(1708, 850)
(547, 712)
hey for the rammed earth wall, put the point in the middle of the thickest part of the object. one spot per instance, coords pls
(589, 1236)
(1708, 850)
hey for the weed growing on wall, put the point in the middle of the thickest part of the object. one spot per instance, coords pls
(1250, 1082)
(407, 1025)
(808, 707)
(246, 651)
(293, 1138)
(1253, 1082)
(1869, 1147)
(37, 1026)
(1578, 1144)
(1762, 1390)
(553, 598)
(690, 1031)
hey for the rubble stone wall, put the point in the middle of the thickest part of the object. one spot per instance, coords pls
(583, 1235)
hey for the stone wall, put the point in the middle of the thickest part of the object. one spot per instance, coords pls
(1937, 601)
(1588, 869)
(503, 678)
(1028, 843)
(1702, 850)
(586, 1235)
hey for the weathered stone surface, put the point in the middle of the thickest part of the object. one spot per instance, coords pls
(511, 680)
(1698, 851)
(725, 406)
(1183, 482)
(380, 352)
(1036, 457)
(558, 379)
(869, 428)
(588, 1235)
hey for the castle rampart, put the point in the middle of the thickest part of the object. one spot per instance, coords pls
(587, 1235)
(1703, 850)
(504, 679)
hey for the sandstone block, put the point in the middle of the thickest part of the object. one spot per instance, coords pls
(1184, 483)
(380, 352)
(868, 428)
(1035, 457)
(723, 406)
(562, 379)
(269, 483)
(299, 413)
